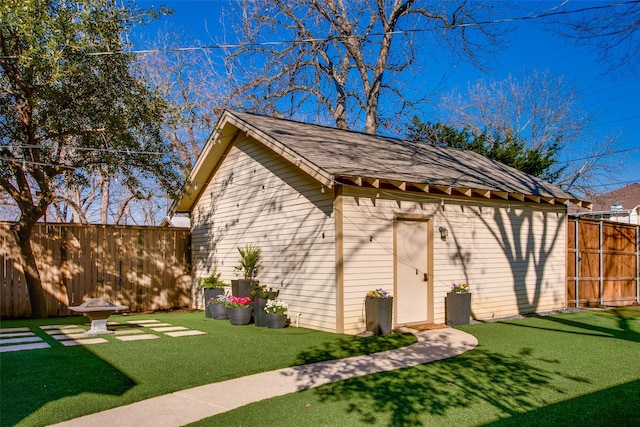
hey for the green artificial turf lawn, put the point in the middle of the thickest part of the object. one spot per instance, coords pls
(578, 369)
(41, 387)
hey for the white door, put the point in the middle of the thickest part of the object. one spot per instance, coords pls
(412, 279)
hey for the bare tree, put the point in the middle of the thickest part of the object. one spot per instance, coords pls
(543, 111)
(189, 81)
(340, 59)
(612, 29)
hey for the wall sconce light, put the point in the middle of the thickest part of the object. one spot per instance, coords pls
(442, 204)
(443, 233)
(195, 185)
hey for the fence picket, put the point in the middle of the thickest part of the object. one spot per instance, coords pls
(602, 263)
(134, 266)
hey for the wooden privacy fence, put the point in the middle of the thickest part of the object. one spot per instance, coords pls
(145, 268)
(602, 263)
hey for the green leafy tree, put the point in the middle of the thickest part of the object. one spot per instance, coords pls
(510, 151)
(73, 106)
(539, 116)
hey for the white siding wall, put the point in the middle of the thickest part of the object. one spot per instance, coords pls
(256, 197)
(513, 261)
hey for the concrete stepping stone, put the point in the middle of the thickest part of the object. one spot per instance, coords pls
(62, 337)
(88, 341)
(155, 325)
(9, 330)
(17, 334)
(115, 327)
(66, 331)
(21, 347)
(169, 328)
(185, 333)
(64, 326)
(143, 321)
(128, 331)
(137, 337)
(20, 340)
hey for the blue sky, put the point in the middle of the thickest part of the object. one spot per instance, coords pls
(613, 100)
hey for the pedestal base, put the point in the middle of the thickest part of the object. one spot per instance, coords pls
(98, 326)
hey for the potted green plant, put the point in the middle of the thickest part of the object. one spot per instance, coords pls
(249, 266)
(239, 310)
(260, 295)
(378, 311)
(218, 307)
(211, 287)
(458, 305)
(276, 313)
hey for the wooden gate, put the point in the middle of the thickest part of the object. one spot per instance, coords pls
(145, 268)
(602, 263)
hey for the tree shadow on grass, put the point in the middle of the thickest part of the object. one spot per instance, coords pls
(32, 379)
(614, 406)
(622, 316)
(348, 347)
(508, 383)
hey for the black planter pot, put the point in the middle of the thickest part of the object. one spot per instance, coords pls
(259, 303)
(209, 293)
(240, 315)
(218, 311)
(243, 287)
(275, 321)
(379, 316)
(458, 308)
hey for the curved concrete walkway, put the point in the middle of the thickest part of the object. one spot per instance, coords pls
(187, 406)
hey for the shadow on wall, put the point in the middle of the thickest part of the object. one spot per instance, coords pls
(528, 247)
(267, 196)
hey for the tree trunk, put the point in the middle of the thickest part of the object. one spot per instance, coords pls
(23, 233)
(105, 182)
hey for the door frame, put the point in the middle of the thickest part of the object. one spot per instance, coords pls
(428, 219)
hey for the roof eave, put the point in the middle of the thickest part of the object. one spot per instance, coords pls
(220, 140)
(313, 170)
(455, 191)
(212, 153)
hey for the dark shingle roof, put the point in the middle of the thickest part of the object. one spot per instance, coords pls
(628, 197)
(345, 153)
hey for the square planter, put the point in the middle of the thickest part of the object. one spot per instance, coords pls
(458, 308)
(379, 315)
(259, 303)
(243, 287)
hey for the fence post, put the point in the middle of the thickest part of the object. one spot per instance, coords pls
(577, 261)
(638, 264)
(600, 254)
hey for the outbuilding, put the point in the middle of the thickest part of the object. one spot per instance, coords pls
(340, 213)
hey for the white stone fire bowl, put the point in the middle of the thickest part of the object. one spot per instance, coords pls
(98, 311)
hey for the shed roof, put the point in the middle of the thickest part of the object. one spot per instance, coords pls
(335, 156)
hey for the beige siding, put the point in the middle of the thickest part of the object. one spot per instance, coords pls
(257, 197)
(368, 246)
(512, 255)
